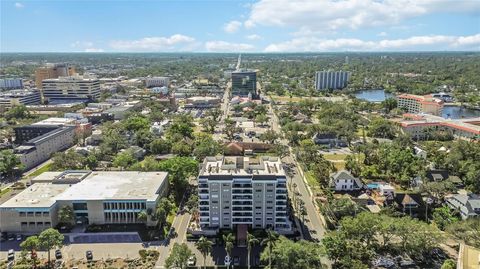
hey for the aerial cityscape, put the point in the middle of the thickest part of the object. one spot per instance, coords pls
(270, 134)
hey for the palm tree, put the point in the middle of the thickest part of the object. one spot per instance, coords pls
(251, 241)
(270, 241)
(204, 246)
(228, 240)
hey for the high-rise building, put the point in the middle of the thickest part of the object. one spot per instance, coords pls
(157, 82)
(331, 80)
(11, 83)
(19, 97)
(420, 104)
(243, 191)
(244, 82)
(71, 89)
(52, 71)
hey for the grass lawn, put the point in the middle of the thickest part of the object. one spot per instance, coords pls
(339, 165)
(335, 157)
(312, 182)
(44, 168)
(5, 191)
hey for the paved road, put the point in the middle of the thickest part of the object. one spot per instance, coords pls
(180, 223)
(314, 226)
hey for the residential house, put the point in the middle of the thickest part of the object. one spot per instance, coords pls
(467, 205)
(344, 181)
(409, 203)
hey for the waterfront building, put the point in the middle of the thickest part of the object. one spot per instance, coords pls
(420, 104)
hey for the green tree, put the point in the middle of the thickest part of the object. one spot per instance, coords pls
(296, 255)
(68, 160)
(136, 123)
(31, 244)
(381, 128)
(50, 239)
(17, 112)
(230, 128)
(261, 119)
(9, 162)
(179, 169)
(205, 146)
(251, 241)
(181, 148)
(124, 159)
(279, 150)
(270, 135)
(66, 215)
(270, 241)
(389, 104)
(443, 217)
(449, 264)
(160, 146)
(466, 231)
(205, 247)
(178, 257)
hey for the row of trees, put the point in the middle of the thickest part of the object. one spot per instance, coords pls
(360, 238)
(46, 241)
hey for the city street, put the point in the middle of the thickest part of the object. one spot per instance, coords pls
(180, 224)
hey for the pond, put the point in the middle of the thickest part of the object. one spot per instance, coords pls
(377, 95)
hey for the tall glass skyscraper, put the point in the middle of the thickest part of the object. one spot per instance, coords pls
(244, 82)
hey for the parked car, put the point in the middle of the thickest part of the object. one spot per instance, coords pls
(89, 255)
(58, 254)
(236, 260)
(11, 237)
(192, 261)
(11, 255)
(19, 237)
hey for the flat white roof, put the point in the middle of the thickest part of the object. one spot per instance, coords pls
(116, 185)
(41, 195)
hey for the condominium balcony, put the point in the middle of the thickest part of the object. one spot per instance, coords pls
(204, 208)
(283, 208)
(238, 185)
(204, 214)
(202, 186)
(280, 197)
(242, 191)
(242, 208)
(242, 220)
(242, 197)
(242, 203)
(204, 202)
(280, 191)
(246, 214)
(203, 191)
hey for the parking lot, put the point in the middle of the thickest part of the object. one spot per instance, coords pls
(105, 238)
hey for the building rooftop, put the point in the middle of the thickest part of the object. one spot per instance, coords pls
(246, 166)
(467, 124)
(55, 121)
(38, 195)
(116, 185)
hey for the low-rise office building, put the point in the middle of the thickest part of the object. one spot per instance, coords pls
(71, 89)
(420, 104)
(243, 192)
(95, 197)
(19, 97)
(157, 82)
(39, 149)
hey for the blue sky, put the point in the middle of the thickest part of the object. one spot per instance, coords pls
(233, 26)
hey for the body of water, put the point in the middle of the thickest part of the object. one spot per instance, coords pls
(458, 112)
(378, 95)
(453, 112)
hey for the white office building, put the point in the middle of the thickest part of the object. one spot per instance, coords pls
(19, 97)
(242, 193)
(71, 89)
(157, 82)
(325, 80)
(95, 197)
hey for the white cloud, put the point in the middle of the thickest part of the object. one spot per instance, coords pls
(153, 43)
(93, 50)
(433, 42)
(81, 44)
(232, 26)
(382, 34)
(223, 46)
(317, 15)
(253, 37)
(19, 5)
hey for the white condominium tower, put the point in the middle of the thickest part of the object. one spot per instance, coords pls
(331, 80)
(243, 191)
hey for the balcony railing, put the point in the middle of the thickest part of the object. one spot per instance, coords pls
(240, 197)
(242, 203)
(241, 191)
(242, 208)
(242, 185)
